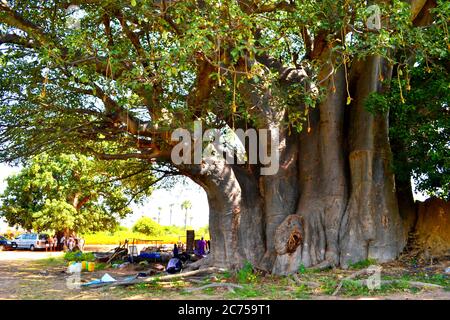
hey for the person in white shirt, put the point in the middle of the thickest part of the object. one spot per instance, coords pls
(81, 244)
(63, 242)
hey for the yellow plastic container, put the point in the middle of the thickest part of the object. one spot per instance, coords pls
(84, 265)
(91, 266)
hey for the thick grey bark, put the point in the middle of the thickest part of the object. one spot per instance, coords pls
(322, 188)
(280, 195)
(236, 214)
(372, 227)
(333, 200)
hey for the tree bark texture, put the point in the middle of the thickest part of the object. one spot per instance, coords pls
(333, 200)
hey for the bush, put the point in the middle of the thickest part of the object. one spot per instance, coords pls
(148, 227)
(174, 230)
(203, 232)
(79, 256)
(121, 228)
(362, 264)
(246, 274)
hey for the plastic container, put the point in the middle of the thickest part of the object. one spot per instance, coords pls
(91, 266)
(74, 268)
(84, 265)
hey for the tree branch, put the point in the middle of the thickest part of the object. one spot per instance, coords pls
(281, 6)
(17, 40)
(133, 38)
(125, 156)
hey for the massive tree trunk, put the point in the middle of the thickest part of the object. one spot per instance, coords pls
(236, 219)
(333, 200)
(372, 226)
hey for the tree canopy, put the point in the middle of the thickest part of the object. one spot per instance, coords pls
(148, 227)
(70, 192)
(113, 82)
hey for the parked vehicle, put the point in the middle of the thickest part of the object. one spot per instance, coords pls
(31, 241)
(6, 244)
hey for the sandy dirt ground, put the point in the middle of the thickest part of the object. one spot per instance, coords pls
(29, 275)
(41, 275)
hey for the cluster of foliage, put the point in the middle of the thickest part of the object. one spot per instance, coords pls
(363, 264)
(148, 226)
(246, 274)
(203, 231)
(10, 234)
(79, 256)
(72, 193)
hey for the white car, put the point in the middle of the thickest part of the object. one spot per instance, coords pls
(31, 241)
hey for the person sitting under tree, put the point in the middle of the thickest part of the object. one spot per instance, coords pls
(202, 247)
(175, 265)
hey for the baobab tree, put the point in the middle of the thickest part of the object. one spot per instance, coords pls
(117, 83)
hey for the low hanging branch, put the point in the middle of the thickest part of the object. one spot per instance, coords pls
(416, 284)
(352, 276)
(158, 278)
(300, 282)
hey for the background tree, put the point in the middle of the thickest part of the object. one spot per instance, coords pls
(117, 86)
(420, 126)
(148, 227)
(69, 193)
(159, 214)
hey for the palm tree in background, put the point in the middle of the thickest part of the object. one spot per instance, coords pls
(159, 214)
(186, 205)
(171, 209)
(190, 219)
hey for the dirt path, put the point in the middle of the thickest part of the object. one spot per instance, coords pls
(40, 275)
